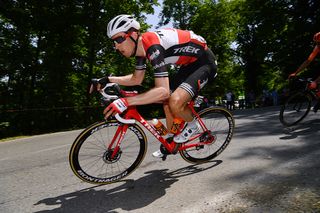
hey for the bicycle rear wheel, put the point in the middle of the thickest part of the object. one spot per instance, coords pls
(93, 160)
(220, 124)
(295, 108)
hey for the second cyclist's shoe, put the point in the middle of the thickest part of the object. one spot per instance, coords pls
(158, 154)
(187, 132)
(316, 107)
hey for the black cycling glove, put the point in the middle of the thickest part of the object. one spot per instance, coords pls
(103, 81)
(95, 81)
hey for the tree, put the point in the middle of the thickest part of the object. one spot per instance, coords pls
(179, 11)
(216, 22)
(273, 38)
(49, 52)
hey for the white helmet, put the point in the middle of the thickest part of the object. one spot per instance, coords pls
(121, 23)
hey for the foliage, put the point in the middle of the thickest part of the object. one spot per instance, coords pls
(274, 39)
(49, 51)
(180, 12)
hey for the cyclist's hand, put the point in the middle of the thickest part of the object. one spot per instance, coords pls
(312, 85)
(117, 106)
(98, 83)
(292, 75)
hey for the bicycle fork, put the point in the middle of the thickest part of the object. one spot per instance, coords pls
(114, 146)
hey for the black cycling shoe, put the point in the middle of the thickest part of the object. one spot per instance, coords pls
(316, 106)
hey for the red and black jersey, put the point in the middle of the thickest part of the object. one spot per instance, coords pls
(172, 46)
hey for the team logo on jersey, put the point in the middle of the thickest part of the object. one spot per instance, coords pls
(154, 55)
(186, 49)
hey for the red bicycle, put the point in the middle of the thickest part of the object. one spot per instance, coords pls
(110, 150)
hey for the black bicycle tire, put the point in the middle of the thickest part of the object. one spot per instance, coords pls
(81, 139)
(284, 107)
(184, 153)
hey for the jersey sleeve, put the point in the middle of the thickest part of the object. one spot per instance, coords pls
(156, 55)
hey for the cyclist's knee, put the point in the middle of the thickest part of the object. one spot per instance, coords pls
(178, 100)
(177, 104)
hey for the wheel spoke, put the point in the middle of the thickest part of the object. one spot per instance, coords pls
(90, 157)
(295, 108)
(220, 124)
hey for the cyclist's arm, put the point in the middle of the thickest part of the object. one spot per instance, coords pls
(310, 58)
(161, 91)
(132, 79)
(129, 80)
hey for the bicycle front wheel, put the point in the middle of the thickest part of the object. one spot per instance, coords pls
(220, 124)
(295, 108)
(94, 160)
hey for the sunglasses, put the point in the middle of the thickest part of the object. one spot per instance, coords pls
(121, 39)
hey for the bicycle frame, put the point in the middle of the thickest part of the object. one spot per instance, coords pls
(306, 88)
(171, 147)
(108, 151)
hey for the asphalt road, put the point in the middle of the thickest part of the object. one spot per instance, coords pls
(266, 168)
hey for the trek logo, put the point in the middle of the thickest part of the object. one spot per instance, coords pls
(187, 49)
(149, 127)
(154, 55)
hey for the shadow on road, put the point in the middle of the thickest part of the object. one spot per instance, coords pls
(265, 121)
(288, 179)
(304, 129)
(130, 195)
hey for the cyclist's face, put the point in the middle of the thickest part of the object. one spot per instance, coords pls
(123, 44)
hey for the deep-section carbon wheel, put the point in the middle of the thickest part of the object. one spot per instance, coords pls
(220, 124)
(94, 160)
(296, 108)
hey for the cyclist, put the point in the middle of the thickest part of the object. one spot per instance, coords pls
(162, 48)
(316, 50)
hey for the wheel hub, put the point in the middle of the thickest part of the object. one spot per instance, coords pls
(107, 156)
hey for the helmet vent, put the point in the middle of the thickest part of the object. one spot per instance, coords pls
(121, 24)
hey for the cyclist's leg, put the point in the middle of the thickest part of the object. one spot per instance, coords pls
(178, 104)
(175, 82)
(193, 78)
(168, 114)
(181, 96)
(317, 105)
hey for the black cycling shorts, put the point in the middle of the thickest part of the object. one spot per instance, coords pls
(196, 75)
